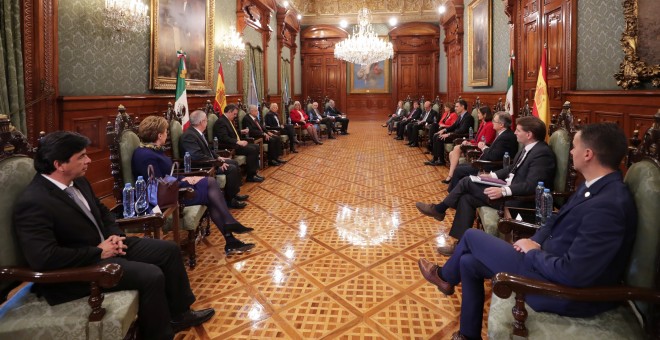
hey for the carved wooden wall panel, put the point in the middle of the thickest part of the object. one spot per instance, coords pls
(323, 75)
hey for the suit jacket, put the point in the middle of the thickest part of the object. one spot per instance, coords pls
(313, 116)
(332, 112)
(193, 142)
(462, 126)
(253, 127)
(538, 166)
(505, 142)
(416, 114)
(587, 243)
(272, 121)
(55, 233)
(225, 132)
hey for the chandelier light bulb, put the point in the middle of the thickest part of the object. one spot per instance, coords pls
(393, 21)
(299, 17)
(442, 9)
(343, 23)
(286, 4)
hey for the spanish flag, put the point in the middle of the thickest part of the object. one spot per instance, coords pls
(220, 100)
(541, 103)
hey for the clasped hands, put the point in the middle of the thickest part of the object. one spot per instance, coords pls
(113, 246)
(525, 244)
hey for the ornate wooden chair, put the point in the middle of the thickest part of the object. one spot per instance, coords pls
(122, 141)
(639, 293)
(27, 316)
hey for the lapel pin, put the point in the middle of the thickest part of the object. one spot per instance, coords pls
(587, 194)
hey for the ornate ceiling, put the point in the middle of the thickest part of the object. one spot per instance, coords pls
(332, 11)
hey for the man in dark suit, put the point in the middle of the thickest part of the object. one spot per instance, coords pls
(398, 114)
(414, 115)
(316, 117)
(333, 113)
(61, 224)
(534, 163)
(193, 140)
(460, 127)
(273, 123)
(256, 130)
(587, 244)
(505, 141)
(429, 117)
(228, 138)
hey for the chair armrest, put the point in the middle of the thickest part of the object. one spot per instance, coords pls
(210, 172)
(226, 153)
(458, 138)
(505, 283)
(469, 148)
(479, 163)
(107, 275)
(507, 225)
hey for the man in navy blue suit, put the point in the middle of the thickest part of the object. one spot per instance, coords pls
(586, 244)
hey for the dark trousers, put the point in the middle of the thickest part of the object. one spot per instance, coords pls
(433, 128)
(462, 170)
(344, 123)
(252, 153)
(438, 149)
(329, 125)
(478, 256)
(401, 128)
(413, 135)
(274, 148)
(233, 183)
(155, 269)
(466, 197)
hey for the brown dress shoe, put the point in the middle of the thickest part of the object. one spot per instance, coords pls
(430, 272)
(428, 209)
(447, 250)
(458, 336)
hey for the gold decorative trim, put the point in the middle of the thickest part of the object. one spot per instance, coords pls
(634, 71)
(473, 79)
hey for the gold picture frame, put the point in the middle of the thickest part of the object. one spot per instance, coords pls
(480, 43)
(633, 70)
(374, 78)
(187, 26)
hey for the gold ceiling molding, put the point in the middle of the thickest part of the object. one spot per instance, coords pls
(633, 70)
(316, 12)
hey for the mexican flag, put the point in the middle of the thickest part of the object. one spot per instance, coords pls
(181, 101)
(541, 105)
(220, 100)
(508, 106)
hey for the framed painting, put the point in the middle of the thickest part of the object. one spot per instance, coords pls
(374, 78)
(480, 43)
(641, 46)
(182, 25)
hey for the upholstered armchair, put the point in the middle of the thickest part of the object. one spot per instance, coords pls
(639, 294)
(27, 316)
(122, 141)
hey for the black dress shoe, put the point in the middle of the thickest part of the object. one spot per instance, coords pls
(331, 137)
(281, 161)
(413, 145)
(236, 204)
(273, 163)
(242, 197)
(238, 228)
(191, 318)
(255, 179)
(238, 247)
(432, 163)
(344, 133)
(294, 151)
(446, 180)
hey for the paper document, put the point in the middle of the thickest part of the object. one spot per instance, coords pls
(488, 181)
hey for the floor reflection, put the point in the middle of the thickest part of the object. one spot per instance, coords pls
(366, 226)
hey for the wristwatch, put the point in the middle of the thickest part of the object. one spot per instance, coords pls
(503, 191)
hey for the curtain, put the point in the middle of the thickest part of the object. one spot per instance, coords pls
(286, 84)
(258, 59)
(247, 67)
(12, 86)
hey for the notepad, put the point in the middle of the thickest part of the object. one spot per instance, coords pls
(488, 181)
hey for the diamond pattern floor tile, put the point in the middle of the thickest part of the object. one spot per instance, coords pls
(338, 238)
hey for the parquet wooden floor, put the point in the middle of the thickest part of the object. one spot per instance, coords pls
(338, 237)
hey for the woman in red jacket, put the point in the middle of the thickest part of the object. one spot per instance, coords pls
(485, 133)
(299, 117)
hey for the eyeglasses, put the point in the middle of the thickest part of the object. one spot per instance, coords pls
(496, 121)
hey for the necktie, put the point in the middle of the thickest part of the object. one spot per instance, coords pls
(232, 126)
(519, 161)
(71, 192)
(258, 125)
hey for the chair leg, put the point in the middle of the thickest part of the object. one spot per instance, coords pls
(190, 249)
(519, 316)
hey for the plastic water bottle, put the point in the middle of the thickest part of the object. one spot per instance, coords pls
(483, 139)
(187, 160)
(539, 203)
(141, 204)
(128, 196)
(547, 205)
(506, 160)
(288, 120)
(215, 144)
(471, 133)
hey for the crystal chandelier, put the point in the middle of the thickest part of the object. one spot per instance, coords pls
(363, 47)
(231, 46)
(124, 16)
